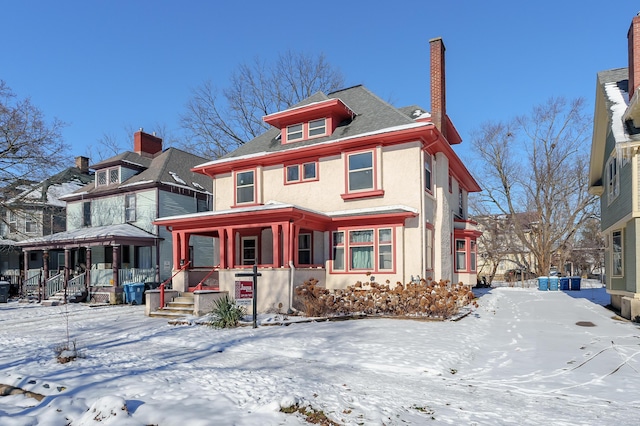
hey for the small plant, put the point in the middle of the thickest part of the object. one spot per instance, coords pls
(225, 313)
(67, 352)
(636, 319)
(310, 414)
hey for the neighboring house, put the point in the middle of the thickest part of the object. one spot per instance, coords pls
(34, 210)
(343, 188)
(614, 175)
(110, 238)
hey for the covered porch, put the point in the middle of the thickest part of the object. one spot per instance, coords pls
(90, 263)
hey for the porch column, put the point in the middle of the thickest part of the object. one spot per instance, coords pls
(287, 230)
(231, 235)
(116, 265)
(25, 264)
(177, 246)
(222, 245)
(185, 248)
(45, 271)
(275, 231)
(67, 258)
(87, 277)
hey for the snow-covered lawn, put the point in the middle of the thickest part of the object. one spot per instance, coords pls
(520, 358)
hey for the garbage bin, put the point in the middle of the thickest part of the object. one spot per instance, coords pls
(133, 293)
(574, 283)
(4, 291)
(564, 283)
(553, 283)
(543, 283)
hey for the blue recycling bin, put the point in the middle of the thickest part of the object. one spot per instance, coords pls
(133, 293)
(574, 283)
(553, 283)
(564, 283)
(543, 283)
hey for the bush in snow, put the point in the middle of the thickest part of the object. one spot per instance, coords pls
(225, 313)
(425, 298)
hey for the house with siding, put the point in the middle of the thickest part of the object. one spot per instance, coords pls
(344, 187)
(110, 238)
(35, 209)
(614, 175)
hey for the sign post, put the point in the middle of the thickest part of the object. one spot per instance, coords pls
(244, 290)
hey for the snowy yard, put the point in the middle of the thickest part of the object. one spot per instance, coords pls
(524, 357)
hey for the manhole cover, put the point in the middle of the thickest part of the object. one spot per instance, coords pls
(585, 324)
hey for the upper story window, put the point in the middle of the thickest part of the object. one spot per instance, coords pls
(130, 207)
(108, 176)
(460, 203)
(30, 225)
(428, 172)
(318, 127)
(616, 253)
(360, 171)
(245, 187)
(301, 172)
(13, 221)
(294, 133)
(86, 213)
(613, 182)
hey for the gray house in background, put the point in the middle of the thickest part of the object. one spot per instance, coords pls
(35, 209)
(110, 238)
(615, 178)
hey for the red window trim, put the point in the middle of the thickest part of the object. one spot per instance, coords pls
(301, 178)
(255, 188)
(305, 130)
(362, 193)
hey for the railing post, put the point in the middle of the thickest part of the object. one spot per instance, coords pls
(162, 296)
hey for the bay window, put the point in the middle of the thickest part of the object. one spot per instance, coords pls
(363, 250)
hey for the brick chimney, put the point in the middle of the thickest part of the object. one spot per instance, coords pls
(438, 93)
(82, 164)
(634, 55)
(146, 145)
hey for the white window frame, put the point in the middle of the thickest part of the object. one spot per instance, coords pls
(353, 171)
(245, 260)
(428, 172)
(317, 128)
(338, 250)
(109, 176)
(13, 221)
(130, 207)
(429, 248)
(251, 185)
(30, 222)
(307, 247)
(458, 252)
(295, 132)
(613, 180)
(301, 172)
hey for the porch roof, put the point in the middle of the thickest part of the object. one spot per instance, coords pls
(274, 212)
(125, 234)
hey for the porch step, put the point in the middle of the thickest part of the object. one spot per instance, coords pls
(179, 307)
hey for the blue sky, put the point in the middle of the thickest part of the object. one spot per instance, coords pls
(107, 66)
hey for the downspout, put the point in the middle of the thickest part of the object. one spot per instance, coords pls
(292, 270)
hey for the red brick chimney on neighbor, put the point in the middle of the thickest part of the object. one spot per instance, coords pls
(634, 55)
(146, 145)
(438, 94)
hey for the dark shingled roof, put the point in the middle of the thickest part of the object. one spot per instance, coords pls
(372, 114)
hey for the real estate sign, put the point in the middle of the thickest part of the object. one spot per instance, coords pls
(244, 292)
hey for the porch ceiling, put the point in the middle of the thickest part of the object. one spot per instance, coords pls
(124, 234)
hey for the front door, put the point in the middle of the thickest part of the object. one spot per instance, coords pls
(249, 250)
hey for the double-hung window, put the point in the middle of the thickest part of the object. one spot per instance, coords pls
(428, 172)
(245, 187)
(30, 224)
(338, 251)
(429, 249)
(360, 171)
(385, 249)
(363, 249)
(294, 132)
(461, 255)
(317, 127)
(86, 213)
(304, 249)
(616, 253)
(613, 184)
(130, 207)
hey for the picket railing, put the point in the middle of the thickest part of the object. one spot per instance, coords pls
(76, 285)
(54, 285)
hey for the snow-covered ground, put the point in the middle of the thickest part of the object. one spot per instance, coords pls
(521, 358)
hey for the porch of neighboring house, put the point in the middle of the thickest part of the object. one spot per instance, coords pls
(89, 265)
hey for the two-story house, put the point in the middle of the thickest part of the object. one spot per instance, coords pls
(35, 209)
(110, 238)
(344, 187)
(614, 175)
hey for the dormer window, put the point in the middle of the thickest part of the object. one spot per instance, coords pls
(294, 133)
(109, 176)
(317, 127)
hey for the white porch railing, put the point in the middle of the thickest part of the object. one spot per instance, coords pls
(31, 285)
(76, 285)
(136, 275)
(54, 285)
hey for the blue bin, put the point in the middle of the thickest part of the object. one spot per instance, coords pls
(543, 283)
(574, 283)
(553, 283)
(133, 293)
(564, 283)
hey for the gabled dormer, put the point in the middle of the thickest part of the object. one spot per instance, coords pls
(310, 121)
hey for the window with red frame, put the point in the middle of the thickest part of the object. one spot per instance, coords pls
(245, 187)
(301, 172)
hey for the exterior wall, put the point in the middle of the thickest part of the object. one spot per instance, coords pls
(621, 206)
(443, 252)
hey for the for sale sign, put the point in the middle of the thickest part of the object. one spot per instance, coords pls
(244, 292)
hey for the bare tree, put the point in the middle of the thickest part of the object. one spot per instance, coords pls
(534, 168)
(30, 147)
(218, 121)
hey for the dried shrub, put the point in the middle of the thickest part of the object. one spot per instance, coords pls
(425, 298)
